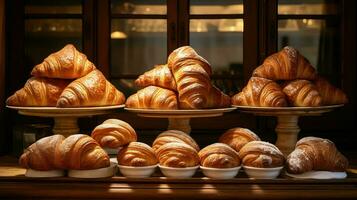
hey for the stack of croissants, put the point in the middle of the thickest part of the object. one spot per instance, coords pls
(176, 149)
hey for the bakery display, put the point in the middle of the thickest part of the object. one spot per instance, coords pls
(219, 155)
(160, 76)
(318, 154)
(174, 136)
(238, 137)
(137, 154)
(302, 93)
(177, 155)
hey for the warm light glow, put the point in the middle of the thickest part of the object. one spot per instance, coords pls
(118, 35)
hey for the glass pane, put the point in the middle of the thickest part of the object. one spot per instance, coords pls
(307, 7)
(53, 6)
(220, 42)
(139, 7)
(317, 40)
(45, 36)
(137, 45)
(216, 7)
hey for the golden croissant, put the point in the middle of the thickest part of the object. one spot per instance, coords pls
(153, 97)
(178, 155)
(238, 137)
(81, 152)
(90, 90)
(43, 154)
(159, 76)
(174, 136)
(38, 92)
(330, 94)
(67, 63)
(114, 133)
(312, 153)
(261, 154)
(219, 155)
(287, 64)
(302, 93)
(260, 92)
(137, 154)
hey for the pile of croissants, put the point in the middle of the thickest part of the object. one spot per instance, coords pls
(66, 79)
(286, 78)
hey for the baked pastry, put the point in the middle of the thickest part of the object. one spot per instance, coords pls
(312, 153)
(174, 136)
(260, 92)
(67, 63)
(81, 152)
(261, 155)
(137, 154)
(177, 155)
(219, 155)
(217, 99)
(114, 133)
(238, 137)
(38, 92)
(43, 155)
(90, 90)
(302, 93)
(287, 64)
(153, 97)
(160, 76)
(330, 94)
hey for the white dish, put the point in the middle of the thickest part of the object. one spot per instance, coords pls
(220, 173)
(137, 172)
(262, 173)
(94, 173)
(42, 174)
(319, 175)
(174, 172)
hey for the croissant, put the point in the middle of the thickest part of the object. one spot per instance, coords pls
(330, 94)
(302, 93)
(114, 133)
(160, 76)
(43, 154)
(217, 99)
(67, 63)
(153, 97)
(90, 90)
(260, 92)
(219, 155)
(312, 153)
(38, 92)
(178, 155)
(261, 154)
(137, 154)
(174, 136)
(238, 137)
(81, 152)
(287, 64)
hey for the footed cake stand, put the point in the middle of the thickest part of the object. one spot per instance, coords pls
(65, 119)
(180, 119)
(287, 128)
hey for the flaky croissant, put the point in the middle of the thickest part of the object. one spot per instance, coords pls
(137, 154)
(43, 154)
(81, 152)
(153, 97)
(302, 93)
(160, 76)
(261, 154)
(330, 94)
(287, 64)
(260, 92)
(38, 92)
(219, 155)
(90, 90)
(238, 137)
(114, 133)
(312, 153)
(174, 136)
(178, 155)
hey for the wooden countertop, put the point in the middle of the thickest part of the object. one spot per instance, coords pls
(13, 184)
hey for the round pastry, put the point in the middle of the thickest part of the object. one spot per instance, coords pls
(177, 155)
(174, 136)
(137, 154)
(219, 155)
(238, 137)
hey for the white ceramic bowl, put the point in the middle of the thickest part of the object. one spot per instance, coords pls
(94, 173)
(137, 172)
(262, 173)
(220, 173)
(173, 172)
(50, 173)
